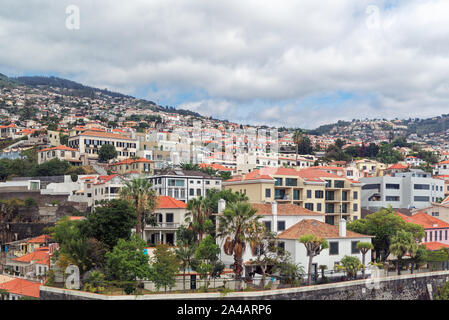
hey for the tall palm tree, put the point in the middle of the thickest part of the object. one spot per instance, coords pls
(401, 243)
(297, 139)
(144, 199)
(364, 247)
(197, 216)
(234, 225)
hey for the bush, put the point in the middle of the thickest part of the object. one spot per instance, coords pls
(30, 202)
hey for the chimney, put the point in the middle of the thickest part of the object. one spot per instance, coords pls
(221, 205)
(274, 213)
(342, 228)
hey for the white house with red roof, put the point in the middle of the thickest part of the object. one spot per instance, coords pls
(414, 161)
(441, 168)
(17, 288)
(170, 214)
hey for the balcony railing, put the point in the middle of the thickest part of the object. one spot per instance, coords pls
(164, 225)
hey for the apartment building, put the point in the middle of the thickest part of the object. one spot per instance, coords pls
(313, 189)
(89, 142)
(370, 168)
(184, 185)
(441, 168)
(60, 152)
(8, 131)
(412, 189)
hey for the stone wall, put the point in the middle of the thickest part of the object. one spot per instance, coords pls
(405, 287)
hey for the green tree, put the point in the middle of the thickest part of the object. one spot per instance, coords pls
(144, 199)
(198, 217)
(127, 262)
(111, 222)
(297, 139)
(185, 252)
(206, 256)
(234, 226)
(383, 225)
(364, 247)
(443, 292)
(164, 267)
(401, 243)
(351, 265)
(107, 152)
(314, 245)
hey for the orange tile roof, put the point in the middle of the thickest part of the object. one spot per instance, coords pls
(317, 228)
(41, 256)
(432, 246)
(40, 239)
(425, 220)
(130, 161)
(397, 166)
(444, 162)
(60, 147)
(22, 287)
(104, 179)
(284, 209)
(104, 135)
(166, 202)
(215, 166)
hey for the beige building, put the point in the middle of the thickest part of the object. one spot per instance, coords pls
(89, 143)
(139, 166)
(60, 152)
(53, 138)
(313, 189)
(370, 168)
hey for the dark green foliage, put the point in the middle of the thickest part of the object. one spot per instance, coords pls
(111, 222)
(107, 152)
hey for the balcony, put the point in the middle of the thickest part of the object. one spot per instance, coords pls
(163, 225)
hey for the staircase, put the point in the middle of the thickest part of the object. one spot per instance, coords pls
(99, 169)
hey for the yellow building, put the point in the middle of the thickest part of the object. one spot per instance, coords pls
(140, 166)
(60, 152)
(371, 168)
(313, 189)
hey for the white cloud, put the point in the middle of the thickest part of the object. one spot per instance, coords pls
(240, 53)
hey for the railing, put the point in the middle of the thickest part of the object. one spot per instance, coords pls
(168, 225)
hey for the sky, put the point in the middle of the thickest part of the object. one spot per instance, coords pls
(278, 63)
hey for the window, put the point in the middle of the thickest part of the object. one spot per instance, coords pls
(339, 184)
(333, 247)
(281, 245)
(169, 217)
(354, 249)
(392, 186)
(355, 195)
(267, 193)
(421, 187)
(281, 225)
(318, 207)
(291, 182)
(355, 207)
(436, 235)
(430, 236)
(198, 192)
(309, 194)
(421, 199)
(267, 225)
(278, 182)
(309, 206)
(435, 214)
(445, 235)
(391, 198)
(319, 194)
(295, 194)
(441, 235)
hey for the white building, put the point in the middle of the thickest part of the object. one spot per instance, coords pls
(413, 189)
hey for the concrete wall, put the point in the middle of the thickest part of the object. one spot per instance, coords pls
(405, 287)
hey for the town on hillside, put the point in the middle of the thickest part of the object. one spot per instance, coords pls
(88, 176)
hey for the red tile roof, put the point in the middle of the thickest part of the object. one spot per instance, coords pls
(91, 133)
(215, 166)
(22, 287)
(317, 228)
(166, 202)
(39, 256)
(40, 239)
(397, 166)
(425, 220)
(61, 147)
(130, 161)
(432, 246)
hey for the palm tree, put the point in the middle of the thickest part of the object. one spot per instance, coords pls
(314, 245)
(234, 225)
(401, 243)
(138, 191)
(297, 139)
(198, 215)
(364, 247)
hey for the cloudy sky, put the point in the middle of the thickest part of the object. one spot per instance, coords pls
(283, 63)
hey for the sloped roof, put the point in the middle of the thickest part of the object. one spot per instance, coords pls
(425, 220)
(60, 147)
(317, 228)
(433, 246)
(22, 287)
(167, 202)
